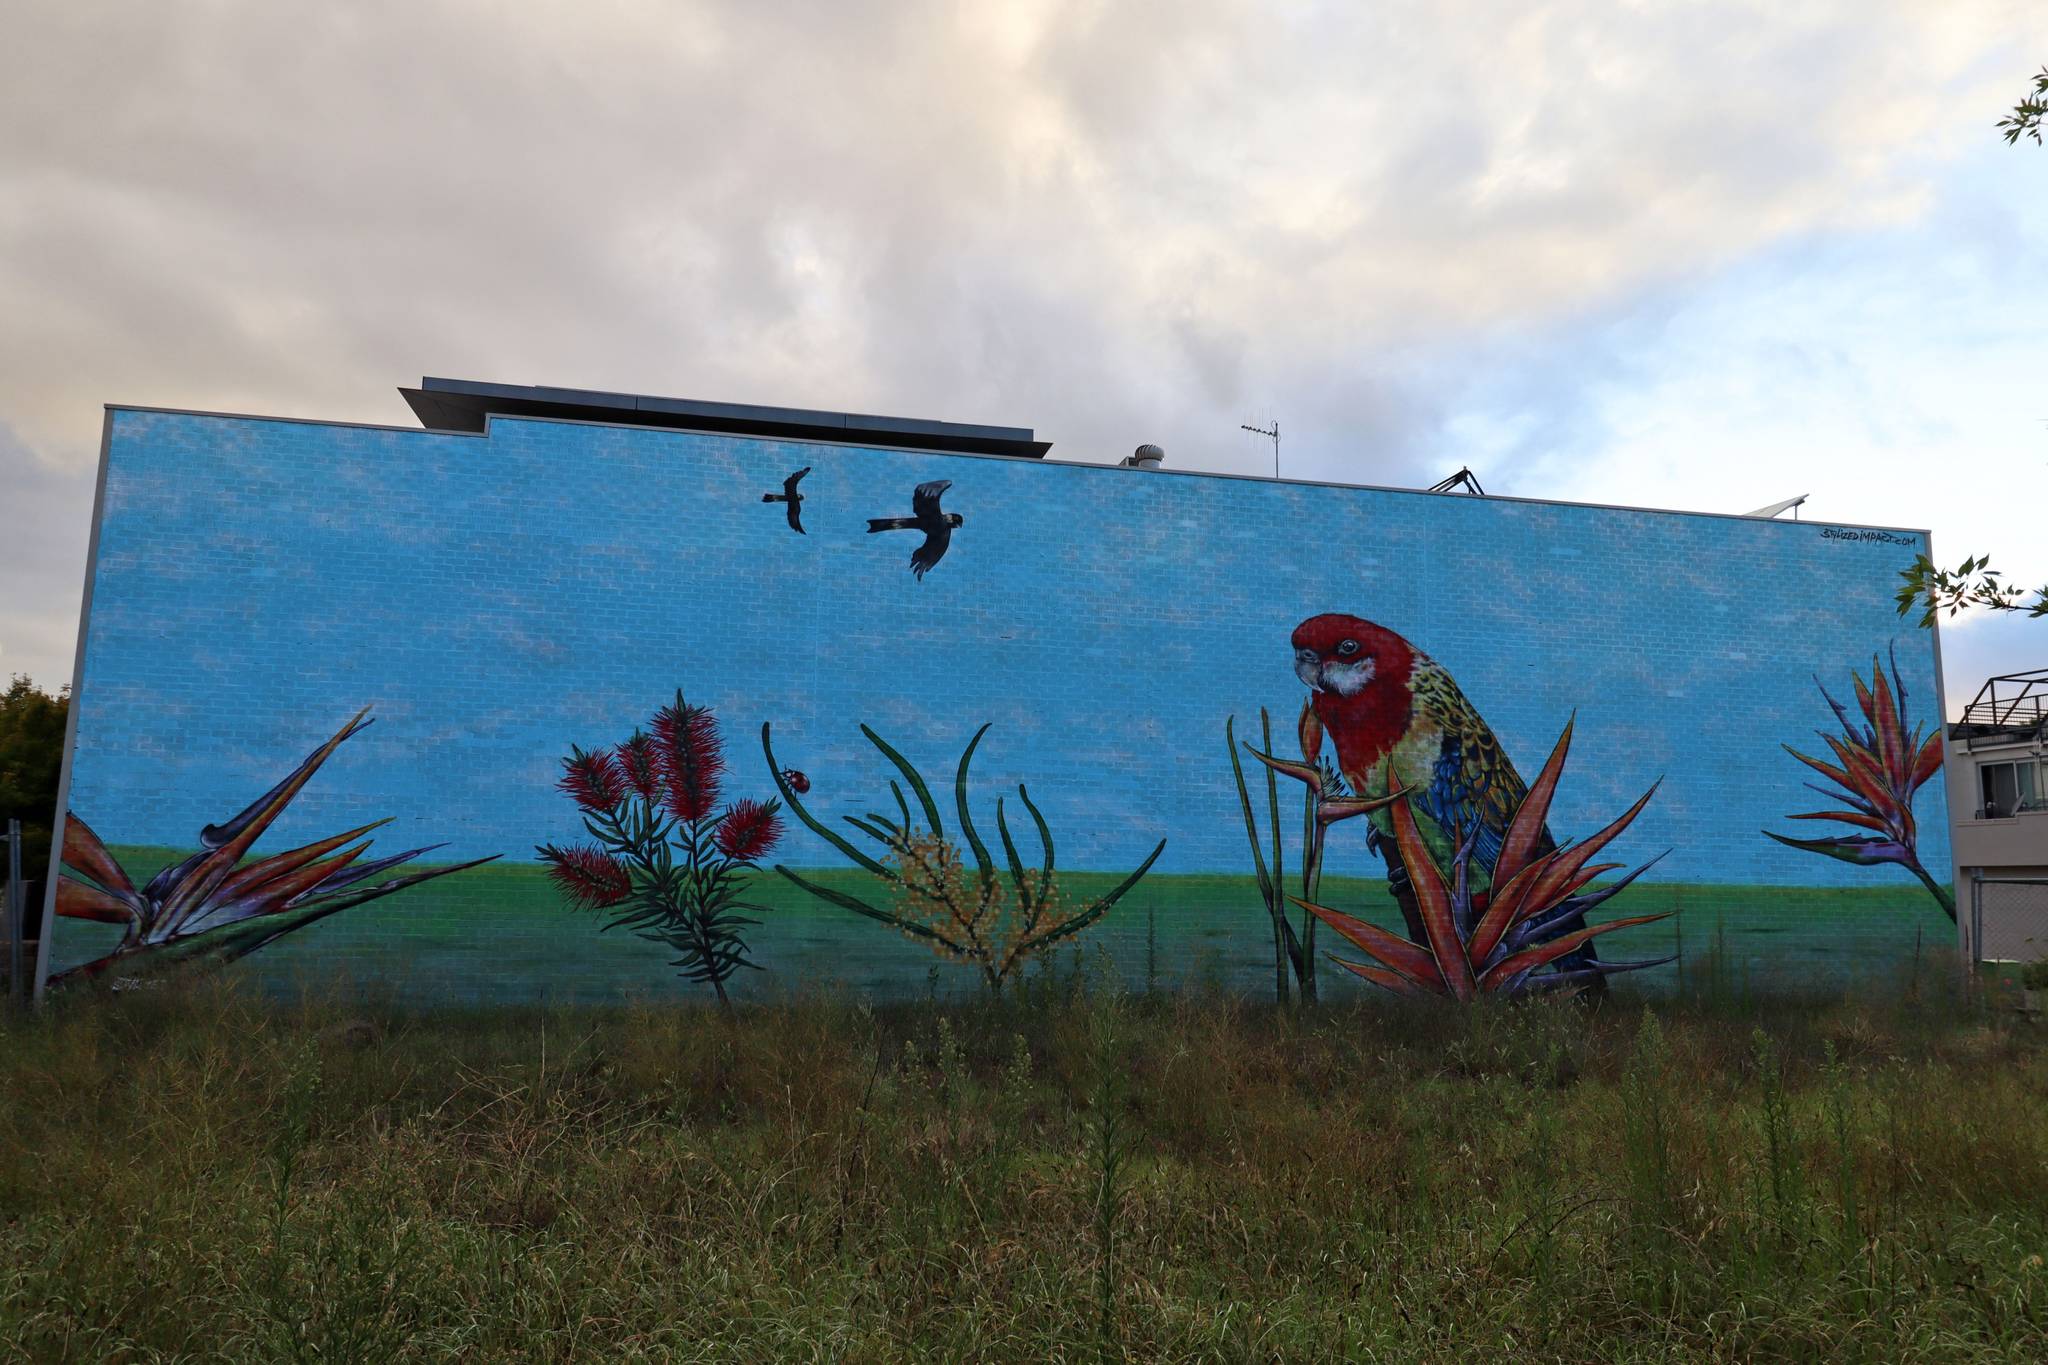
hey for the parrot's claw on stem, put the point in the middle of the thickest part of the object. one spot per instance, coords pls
(1329, 809)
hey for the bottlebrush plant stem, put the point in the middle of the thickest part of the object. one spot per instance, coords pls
(673, 865)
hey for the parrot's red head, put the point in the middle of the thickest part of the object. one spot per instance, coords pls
(1343, 655)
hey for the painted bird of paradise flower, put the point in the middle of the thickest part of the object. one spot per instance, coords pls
(1506, 940)
(1879, 766)
(207, 909)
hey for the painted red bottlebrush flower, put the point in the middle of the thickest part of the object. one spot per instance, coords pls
(692, 758)
(640, 765)
(592, 780)
(586, 875)
(748, 830)
(798, 783)
(671, 863)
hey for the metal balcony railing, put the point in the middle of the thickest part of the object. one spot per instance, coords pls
(2011, 701)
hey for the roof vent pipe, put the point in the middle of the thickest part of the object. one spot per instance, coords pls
(1144, 457)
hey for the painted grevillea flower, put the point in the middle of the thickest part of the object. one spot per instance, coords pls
(669, 863)
(1504, 943)
(748, 830)
(588, 876)
(214, 908)
(1879, 767)
(962, 913)
(692, 758)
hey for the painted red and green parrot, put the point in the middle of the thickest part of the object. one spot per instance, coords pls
(1391, 709)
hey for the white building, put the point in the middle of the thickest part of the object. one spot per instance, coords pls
(1998, 804)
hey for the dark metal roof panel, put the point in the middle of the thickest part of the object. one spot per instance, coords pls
(465, 405)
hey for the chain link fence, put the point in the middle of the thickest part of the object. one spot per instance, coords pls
(2009, 919)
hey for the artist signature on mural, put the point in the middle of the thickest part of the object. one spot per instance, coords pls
(1888, 537)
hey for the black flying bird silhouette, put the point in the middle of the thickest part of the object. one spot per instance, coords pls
(792, 497)
(936, 525)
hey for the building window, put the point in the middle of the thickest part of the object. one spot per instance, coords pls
(2008, 789)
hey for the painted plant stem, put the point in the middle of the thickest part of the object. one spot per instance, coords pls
(1286, 950)
(1323, 805)
(1311, 861)
(212, 908)
(1303, 951)
(965, 916)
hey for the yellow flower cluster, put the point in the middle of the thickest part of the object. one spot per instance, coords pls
(970, 918)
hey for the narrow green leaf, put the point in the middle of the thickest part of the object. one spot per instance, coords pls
(1096, 909)
(910, 775)
(872, 827)
(815, 825)
(1044, 834)
(1273, 814)
(1251, 823)
(981, 858)
(1026, 902)
(861, 907)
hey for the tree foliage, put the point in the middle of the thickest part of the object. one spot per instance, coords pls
(31, 757)
(2026, 116)
(1974, 583)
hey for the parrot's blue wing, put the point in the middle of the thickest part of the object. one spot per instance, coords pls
(1457, 799)
(1472, 784)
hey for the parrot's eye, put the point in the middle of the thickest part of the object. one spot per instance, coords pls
(1347, 649)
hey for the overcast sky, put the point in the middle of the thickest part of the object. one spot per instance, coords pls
(1698, 255)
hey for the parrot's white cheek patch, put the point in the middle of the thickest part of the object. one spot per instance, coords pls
(1347, 680)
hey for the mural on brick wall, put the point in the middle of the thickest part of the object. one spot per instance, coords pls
(996, 927)
(1883, 766)
(1490, 903)
(936, 525)
(671, 863)
(212, 907)
(791, 500)
(1069, 680)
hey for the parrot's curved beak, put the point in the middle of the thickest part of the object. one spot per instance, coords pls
(1308, 666)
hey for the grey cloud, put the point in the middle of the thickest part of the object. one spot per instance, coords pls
(269, 204)
(42, 563)
(1115, 222)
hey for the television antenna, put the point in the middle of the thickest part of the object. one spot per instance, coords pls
(1464, 478)
(1788, 505)
(1274, 432)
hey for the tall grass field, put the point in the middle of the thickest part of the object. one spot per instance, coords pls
(1081, 1171)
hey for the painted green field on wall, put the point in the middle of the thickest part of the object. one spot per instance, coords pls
(500, 934)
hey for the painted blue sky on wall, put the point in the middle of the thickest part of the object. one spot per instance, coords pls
(1665, 255)
(499, 598)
